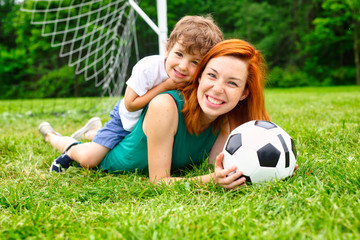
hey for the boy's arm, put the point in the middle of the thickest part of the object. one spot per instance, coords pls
(134, 102)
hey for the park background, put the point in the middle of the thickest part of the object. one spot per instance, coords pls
(310, 48)
(305, 43)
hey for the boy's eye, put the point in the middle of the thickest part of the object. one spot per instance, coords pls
(178, 53)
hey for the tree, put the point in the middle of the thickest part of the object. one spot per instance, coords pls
(333, 42)
(305, 42)
(353, 8)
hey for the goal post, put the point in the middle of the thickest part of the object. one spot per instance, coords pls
(96, 35)
(162, 22)
(161, 29)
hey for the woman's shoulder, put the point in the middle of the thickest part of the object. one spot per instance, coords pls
(177, 97)
(167, 104)
(166, 100)
(161, 114)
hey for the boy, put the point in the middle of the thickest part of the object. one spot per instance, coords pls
(191, 38)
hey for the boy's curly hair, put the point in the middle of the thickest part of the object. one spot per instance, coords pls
(196, 34)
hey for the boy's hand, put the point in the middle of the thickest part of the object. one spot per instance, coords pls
(170, 84)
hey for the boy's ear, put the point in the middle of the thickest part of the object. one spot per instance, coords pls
(245, 94)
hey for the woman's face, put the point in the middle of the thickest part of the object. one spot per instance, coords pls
(222, 86)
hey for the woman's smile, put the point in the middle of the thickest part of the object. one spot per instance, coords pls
(214, 101)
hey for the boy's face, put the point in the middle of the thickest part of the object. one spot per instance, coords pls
(180, 65)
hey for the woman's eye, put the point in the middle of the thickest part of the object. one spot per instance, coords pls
(211, 75)
(233, 84)
(195, 62)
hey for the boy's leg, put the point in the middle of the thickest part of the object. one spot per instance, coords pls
(92, 125)
(59, 142)
(54, 138)
(89, 155)
(89, 135)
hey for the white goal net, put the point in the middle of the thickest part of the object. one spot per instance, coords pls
(95, 35)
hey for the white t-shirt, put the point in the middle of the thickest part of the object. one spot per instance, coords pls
(146, 74)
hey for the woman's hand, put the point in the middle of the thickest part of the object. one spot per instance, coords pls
(295, 168)
(221, 175)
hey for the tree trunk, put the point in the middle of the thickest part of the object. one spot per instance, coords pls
(294, 21)
(357, 50)
(76, 86)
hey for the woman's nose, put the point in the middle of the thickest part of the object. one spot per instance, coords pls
(218, 86)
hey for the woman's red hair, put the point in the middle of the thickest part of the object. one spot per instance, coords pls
(251, 108)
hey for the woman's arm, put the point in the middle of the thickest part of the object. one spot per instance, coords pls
(160, 126)
(221, 140)
(219, 144)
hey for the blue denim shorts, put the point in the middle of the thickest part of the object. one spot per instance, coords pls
(113, 132)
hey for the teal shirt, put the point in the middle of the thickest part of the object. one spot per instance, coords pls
(131, 153)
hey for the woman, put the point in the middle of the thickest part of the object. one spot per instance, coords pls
(176, 128)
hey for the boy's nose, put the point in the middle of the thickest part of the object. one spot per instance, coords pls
(183, 65)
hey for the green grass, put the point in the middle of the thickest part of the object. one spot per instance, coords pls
(321, 202)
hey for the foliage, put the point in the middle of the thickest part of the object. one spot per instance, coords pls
(56, 83)
(331, 38)
(308, 42)
(320, 202)
(289, 77)
(15, 67)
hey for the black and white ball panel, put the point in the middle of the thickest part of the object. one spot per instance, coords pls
(262, 150)
(234, 143)
(265, 124)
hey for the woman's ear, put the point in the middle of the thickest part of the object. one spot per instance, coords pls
(245, 94)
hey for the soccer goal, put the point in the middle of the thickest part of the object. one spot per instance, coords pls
(96, 35)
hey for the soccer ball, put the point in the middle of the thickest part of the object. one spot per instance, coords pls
(262, 150)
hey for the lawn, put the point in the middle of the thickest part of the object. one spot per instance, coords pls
(322, 201)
